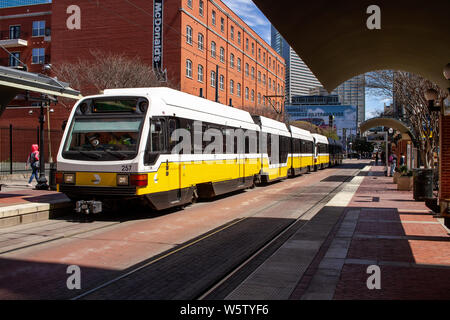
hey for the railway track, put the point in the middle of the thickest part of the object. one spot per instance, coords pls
(208, 289)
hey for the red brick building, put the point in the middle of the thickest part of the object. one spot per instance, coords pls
(194, 38)
(25, 32)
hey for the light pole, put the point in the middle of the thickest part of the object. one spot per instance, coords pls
(42, 181)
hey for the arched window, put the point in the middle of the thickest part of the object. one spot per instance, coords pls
(213, 49)
(222, 54)
(188, 35)
(188, 68)
(200, 73)
(200, 41)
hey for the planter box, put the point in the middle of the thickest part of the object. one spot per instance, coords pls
(404, 183)
(396, 176)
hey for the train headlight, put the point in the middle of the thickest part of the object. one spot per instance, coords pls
(123, 180)
(69, 178)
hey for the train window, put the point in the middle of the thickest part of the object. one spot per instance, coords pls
(156, 143)
(172, 127)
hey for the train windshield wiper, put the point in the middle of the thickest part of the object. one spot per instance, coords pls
(116, 154)
(90, 154)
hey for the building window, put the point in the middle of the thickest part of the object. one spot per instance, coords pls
(239, 37)
(246, 69)
(221, 82)
(238, 88)
(200, 73)
(38, 28)
(253, 73)
(259, 98)
(259, 76)
(231, 87)
(264, 79)
(253, 95)
(239, 64)
(188, 35)
(259, 54)
(200, 41)
(264, 57)
(189, 68)
(14, 32)
(14, 58)
(213, 79)
(232, 33)
(246, 44)
(213, 18)
(38, 56)
(213, 49)
(200, 8)
(222, 54)
(222, 24)
(231, 60)
(189, 3)
(270, 83)
(246, 93)
(253, 48)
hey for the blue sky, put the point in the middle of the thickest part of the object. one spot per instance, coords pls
(13, 3)
(250, 13)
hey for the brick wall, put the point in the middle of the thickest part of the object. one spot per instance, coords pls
(444, 166)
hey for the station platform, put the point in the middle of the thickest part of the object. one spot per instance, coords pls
(20, 204)
(368, 224)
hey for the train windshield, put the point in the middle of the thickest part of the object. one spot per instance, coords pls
(103, 139)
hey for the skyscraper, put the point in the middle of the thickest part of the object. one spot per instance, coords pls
(353, 92)
(301, 81)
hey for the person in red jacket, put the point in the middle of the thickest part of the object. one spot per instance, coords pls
(33, 161)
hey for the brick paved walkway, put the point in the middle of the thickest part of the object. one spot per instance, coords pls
(387, 228)
(25, 196)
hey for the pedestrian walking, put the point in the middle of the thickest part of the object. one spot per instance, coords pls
(402, 159)
(33, 162)
(394, 164)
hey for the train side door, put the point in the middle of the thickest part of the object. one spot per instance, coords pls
(173, 166)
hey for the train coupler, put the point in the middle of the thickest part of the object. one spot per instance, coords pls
(88, 206)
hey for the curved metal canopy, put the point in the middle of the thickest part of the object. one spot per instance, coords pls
(390, 123)
(333, 39)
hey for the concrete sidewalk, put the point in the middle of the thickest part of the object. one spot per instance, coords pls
(369, 223)
(22, 204)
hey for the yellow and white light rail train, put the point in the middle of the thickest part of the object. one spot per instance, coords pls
(165, 148)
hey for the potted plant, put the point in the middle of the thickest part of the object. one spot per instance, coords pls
(396, 174)
(405, 180)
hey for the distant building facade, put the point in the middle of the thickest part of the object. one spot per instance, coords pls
(299, 78)
(301, 81)
(317, 109)
(188, 40)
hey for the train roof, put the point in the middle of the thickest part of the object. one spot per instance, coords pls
(272, 126)
(320, 138)
(191, 107)
(301, 133)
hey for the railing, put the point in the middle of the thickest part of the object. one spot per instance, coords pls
(15, 147)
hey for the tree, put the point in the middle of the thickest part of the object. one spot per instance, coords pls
(361, 145)
(107, 71)
(407, 91)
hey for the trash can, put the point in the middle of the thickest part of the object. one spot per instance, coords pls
(52, 176)
(423, 184)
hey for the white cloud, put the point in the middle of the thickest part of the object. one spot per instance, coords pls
(248, 12)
